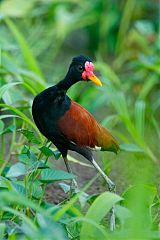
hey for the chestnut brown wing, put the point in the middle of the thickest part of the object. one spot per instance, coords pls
(79, 126)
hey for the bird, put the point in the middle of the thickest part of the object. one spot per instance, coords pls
(68, 125)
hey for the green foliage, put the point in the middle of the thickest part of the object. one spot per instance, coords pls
(38, 40)
(96, 214)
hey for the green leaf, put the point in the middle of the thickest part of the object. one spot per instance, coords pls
(15, 8)
(96, 213)
(24, 158)
(26, 51)
(130, 148)
(17, 170)
(50, 228)
(2, 230)
(6, 87)
(22, 116)
(8, 116)
(139, 199)
(1, 126)
(29, 135)
(57, 154)
(9, 129)
(19, 187)
(51, 175)
(122, 213)
(37, 190)
(46, 151)
(148, 85)
(140, 117)
(49, 152)
(149, 193)
(3, 182)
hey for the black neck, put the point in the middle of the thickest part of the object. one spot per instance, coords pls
(66, 83)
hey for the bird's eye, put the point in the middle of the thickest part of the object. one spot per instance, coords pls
(80, 68)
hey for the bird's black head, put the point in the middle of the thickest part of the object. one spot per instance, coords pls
(81, 69)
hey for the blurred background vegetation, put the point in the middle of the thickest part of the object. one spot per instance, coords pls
(38, 39)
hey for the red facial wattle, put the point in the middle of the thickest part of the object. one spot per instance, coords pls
(88, 73)
(89, 67)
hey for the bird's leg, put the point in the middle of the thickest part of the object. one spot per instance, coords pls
(74, 184)
(111, 187)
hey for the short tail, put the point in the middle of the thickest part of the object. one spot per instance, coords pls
(107, 142)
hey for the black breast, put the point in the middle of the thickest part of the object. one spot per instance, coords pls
(48, 106)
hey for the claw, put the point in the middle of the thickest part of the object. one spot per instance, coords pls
(111, 186)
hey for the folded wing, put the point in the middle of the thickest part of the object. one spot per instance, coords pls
(80, 127)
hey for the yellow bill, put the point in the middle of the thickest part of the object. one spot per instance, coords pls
(94, 79)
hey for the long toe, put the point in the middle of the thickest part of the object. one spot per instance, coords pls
(111, 186)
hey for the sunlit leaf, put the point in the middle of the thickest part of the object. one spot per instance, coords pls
(96, 213)
(130, 148)
(17, 170)
(51, 175)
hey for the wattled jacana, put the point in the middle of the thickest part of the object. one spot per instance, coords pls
(67, 124)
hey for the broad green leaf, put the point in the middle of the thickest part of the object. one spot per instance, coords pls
(139, 200)
(29, 135)
(17, 170)
(46, 151)
(136, 192)
(52, 175)
(122, 213)
(96, 213)
(33, 188)
(130, 148)
(19, 187)
(37, 190)
(24, 158)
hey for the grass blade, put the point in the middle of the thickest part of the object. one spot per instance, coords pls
(26, 51)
